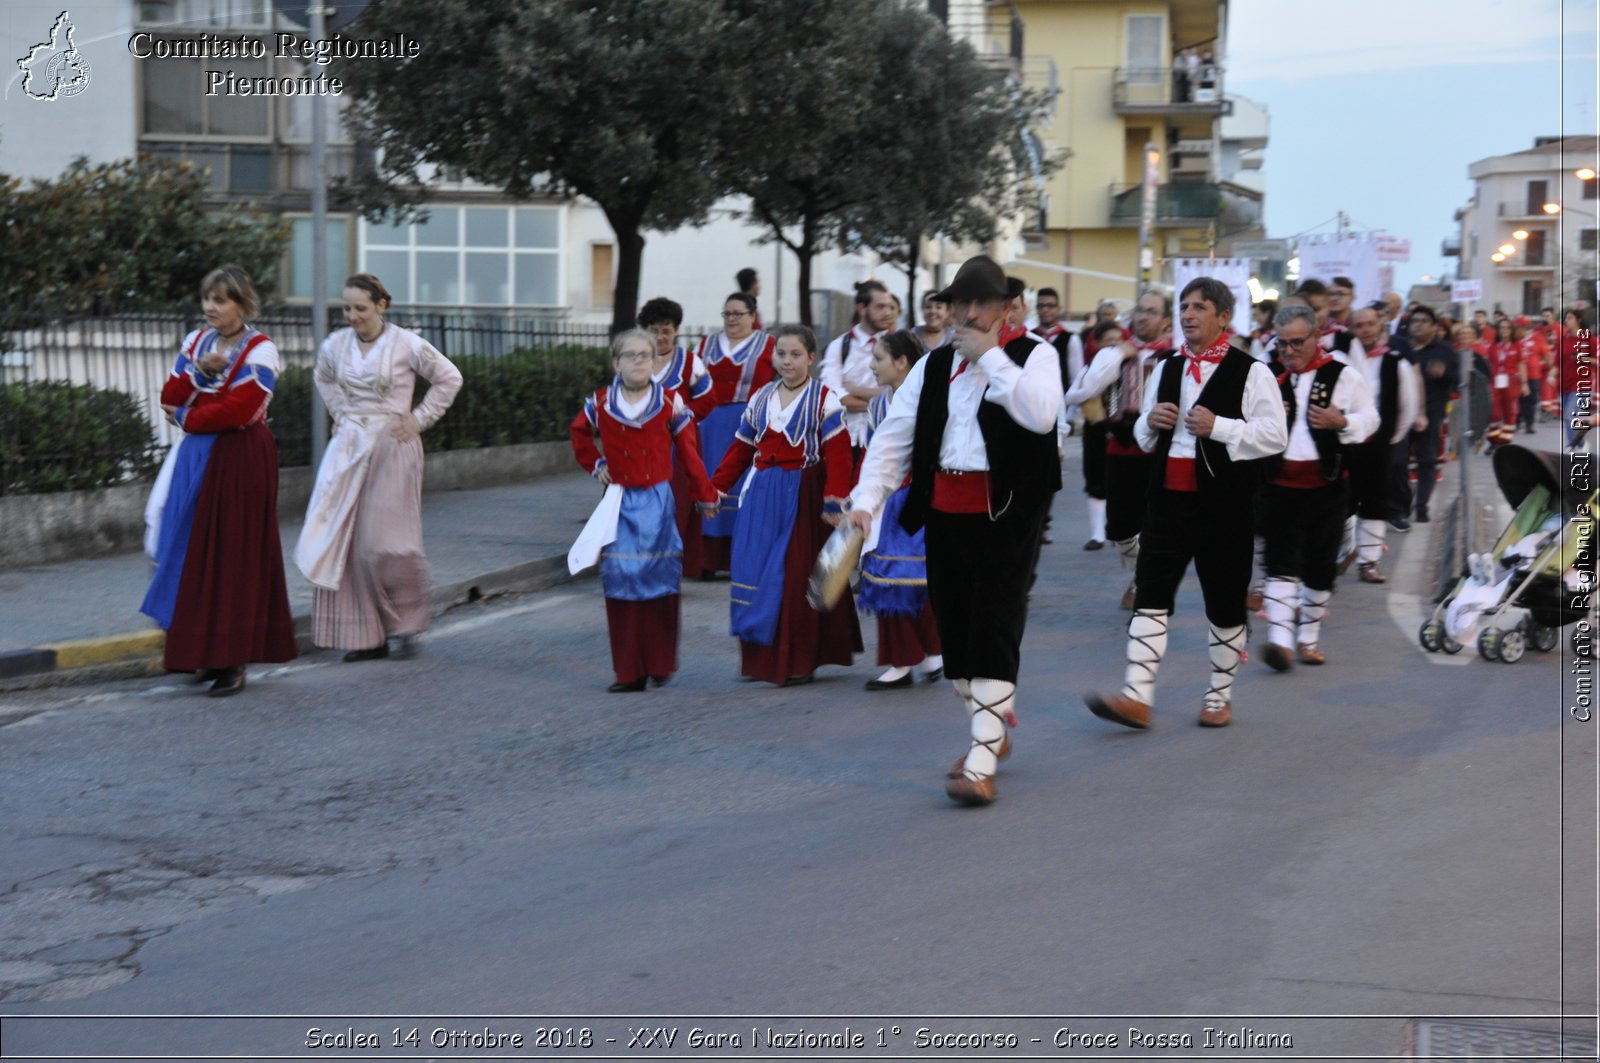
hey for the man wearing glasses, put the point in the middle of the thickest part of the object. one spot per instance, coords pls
(1210, 414)
(1329, 408)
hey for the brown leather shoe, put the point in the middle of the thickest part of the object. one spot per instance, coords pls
(973, 792)
(1216, 715)
(961, 762)
(1277, 658)
(1310, 653)
(1255, 599)
(1119, 709)
(1127, 598)
(1369, 573)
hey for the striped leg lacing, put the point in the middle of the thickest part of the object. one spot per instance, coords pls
(1147, 644)
(1313, 609)
(1227, 646)
(1283, 597)
(990, 706)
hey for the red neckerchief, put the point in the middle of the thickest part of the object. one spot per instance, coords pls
(1213, 353)
(1379, 351)
(1008, 332)
(1330, 326)
(1312, 366)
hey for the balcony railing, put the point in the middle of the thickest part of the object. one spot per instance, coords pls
(1189, 203)
(1168, 90)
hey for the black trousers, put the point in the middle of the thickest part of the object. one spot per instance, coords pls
(1303, 527)
(1370, 479)
(1094, 459)
(1181, 526)
(1427, 450)
(979, 572)
(1400, 478)
(1127, 488)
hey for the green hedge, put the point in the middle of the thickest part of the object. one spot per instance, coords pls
(56, 436)
(528, 395)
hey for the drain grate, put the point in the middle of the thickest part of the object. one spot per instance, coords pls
(1439, 1040)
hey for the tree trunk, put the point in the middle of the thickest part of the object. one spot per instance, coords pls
(911, 283)
(808, 241)
(630, 258)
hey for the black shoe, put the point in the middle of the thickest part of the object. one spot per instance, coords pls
(893, 684)
(1095, 544)
(207, 675)
(934, 676)
(626, 688)
(796, 681)
(659, 680)
(405, 647)
(1399, 524)
(229, 682)
(1422, 516)
(378, 651)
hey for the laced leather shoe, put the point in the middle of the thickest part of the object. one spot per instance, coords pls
(1119, 708)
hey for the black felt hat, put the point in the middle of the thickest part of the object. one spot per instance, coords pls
(979, 277)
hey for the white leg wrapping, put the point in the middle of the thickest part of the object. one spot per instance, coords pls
(1227, 646)
(1313, 607)
(1347, 544)
(1147, 644)
(992, 700)
(1129, 549)
(1283, 600)
(1370, 536)
(1097, 518)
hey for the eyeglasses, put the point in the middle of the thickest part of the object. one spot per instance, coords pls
(1294, 345)
(734, 315)
(635, 356)
(1340, 291)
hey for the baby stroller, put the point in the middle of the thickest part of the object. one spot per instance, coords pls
(1540, 575)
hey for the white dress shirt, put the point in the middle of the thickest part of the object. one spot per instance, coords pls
(1352, 396)
(1410, 404)
(1261, 433)
(1029, 393)
(853, 372)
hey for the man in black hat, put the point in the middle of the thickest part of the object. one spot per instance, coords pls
(975, 424)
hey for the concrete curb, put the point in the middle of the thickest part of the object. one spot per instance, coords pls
(134, 654)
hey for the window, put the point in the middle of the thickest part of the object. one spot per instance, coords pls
(173, 92)
(1587, 240)
(1591, 188)
(1532, 297)
(602, 292)
(336, 257)
(242, 168)
(1535, 247)
(470, 256)
(1144, 45)
(204, 14)
(1538, 196)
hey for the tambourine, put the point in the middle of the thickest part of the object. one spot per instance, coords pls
(835, 564)
(1093, 410)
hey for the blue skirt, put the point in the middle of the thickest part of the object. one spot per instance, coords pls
(759, 547)
(177, 523)
(716, 435)
(646, 559)
(894, 577)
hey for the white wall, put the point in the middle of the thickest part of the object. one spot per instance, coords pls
(38, 138)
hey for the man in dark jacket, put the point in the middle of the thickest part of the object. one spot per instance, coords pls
(1441, 375)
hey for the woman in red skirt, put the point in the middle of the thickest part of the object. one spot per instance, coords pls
(219, 586)
(792, 431)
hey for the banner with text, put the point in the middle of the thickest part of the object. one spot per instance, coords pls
(1234, 272)
(1352, 255)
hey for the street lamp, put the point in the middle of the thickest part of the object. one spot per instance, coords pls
(1508, 249)
(1520, 234)
(1584, 174)
(1552, 208)
(1497, 257)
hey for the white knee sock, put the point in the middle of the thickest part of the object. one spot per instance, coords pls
(931, 663)
(1227, 644)
(1313, 607)
(1370, 535)
(1147, 644)
(1283, 599)
(1097, 518)
(1347, 542)
(992, 700)
(1129, 549)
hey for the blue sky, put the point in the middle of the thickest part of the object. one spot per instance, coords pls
(1377, 107)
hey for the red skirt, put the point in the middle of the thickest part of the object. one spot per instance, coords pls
(644, 637)
(233, 603)
(688, 520)
(716, 553)
(903, 642)
(805, 638)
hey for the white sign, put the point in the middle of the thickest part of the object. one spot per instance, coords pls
(1469, 291)
(1234, 272)
(1394, 249)
(1351, 255)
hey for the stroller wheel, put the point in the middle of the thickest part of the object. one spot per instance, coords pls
(1512, 646)
(1431, 636)
(1543, 638)
(1489, 644)
(1582, 641)
(1449, 645)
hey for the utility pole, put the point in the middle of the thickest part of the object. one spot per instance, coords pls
(318, 13)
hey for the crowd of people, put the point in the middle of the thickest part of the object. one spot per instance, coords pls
(1290, 439)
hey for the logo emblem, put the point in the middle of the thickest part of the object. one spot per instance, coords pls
(55, 69)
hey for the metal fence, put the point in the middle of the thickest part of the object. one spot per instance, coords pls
(80, 396)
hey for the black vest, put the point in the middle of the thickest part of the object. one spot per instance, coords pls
(1024, 469)
(1330, 452)
(1388, 397)
(1221, 480)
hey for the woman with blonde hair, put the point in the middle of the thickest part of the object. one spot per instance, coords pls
(361, 547)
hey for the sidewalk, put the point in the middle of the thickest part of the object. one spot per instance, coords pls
(79, 614)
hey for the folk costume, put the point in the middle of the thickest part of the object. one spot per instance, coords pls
(979, 441)
(219, 588)
(1306, 499)
(361, 547)
(894, 584)
(1200, 508)
(641, 563)
(685, 376)
(801, 457)
(1398, 400)
(1120, 384)
(738, 371)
